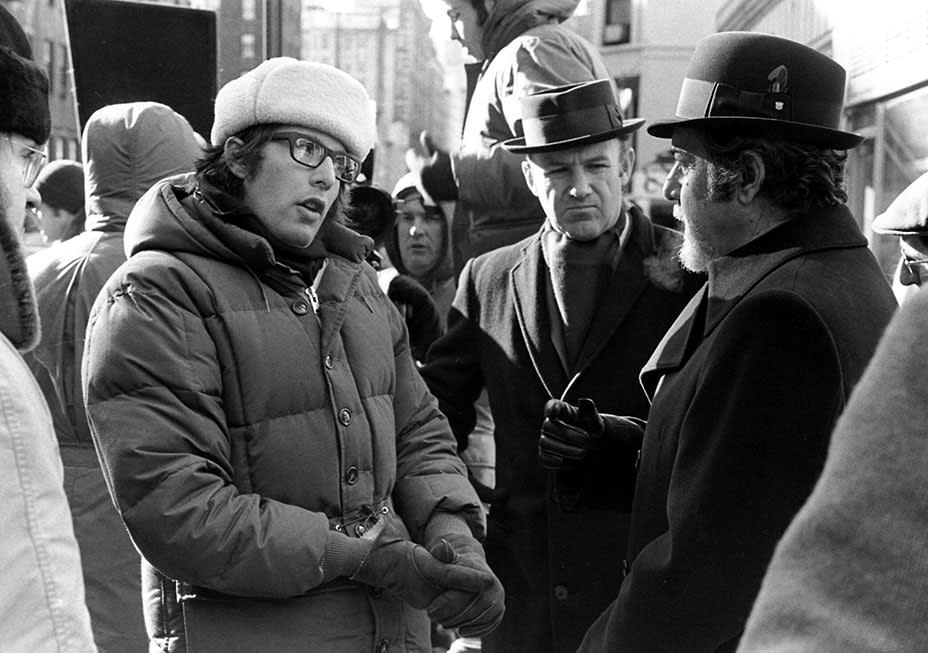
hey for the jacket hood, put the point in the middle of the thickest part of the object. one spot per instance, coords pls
(509, 18)
(443, 268)
(183, 214)
(127, 148)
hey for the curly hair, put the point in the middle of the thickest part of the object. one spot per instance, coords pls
(214, 166)
(797, 177)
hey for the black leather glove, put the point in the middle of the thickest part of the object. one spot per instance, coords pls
(569, 433)
(420, 312)
(437, 177)
(473, 613)
(413, 573)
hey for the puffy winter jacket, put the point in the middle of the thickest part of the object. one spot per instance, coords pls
(239, 426)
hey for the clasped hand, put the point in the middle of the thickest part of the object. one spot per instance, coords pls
(570, 433)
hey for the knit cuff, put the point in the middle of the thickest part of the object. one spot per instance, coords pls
(445, 523)
(343, 555)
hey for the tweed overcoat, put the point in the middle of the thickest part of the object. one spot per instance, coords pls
(238, 426)
(746, 387)
(560, 565)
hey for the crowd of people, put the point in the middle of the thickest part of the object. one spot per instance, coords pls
(250, 402)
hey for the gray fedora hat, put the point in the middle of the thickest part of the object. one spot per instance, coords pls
(570, 116)
(907, 215)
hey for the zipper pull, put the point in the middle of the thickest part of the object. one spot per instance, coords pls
(313, 298)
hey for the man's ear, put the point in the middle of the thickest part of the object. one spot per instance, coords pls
(627, 162)
(232, 154)
(753, 173)
(528, 171)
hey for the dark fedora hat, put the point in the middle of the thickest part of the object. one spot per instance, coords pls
(570, 116)
(761, 85)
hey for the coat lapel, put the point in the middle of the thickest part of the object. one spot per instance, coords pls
(677, 344)
(528, 278)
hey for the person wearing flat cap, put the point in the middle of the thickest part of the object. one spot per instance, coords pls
(569, 313)
(266, 437)
(746, 386)
(42, 602)
(907, 217)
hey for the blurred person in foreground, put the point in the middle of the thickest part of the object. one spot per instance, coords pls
(61, 212)
(520, 46)
(748, 383)
(42, 599)
(851, 573)
(265, 434)
(126, 149)
(570, 312)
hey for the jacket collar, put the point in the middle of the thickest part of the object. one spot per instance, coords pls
(731, 277)
(19, 320)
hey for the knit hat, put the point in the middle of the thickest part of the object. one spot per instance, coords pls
(61, 185)
(290, 92)
(23, 85)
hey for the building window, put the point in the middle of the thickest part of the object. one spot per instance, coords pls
(617, 28)
(48, 56)
(63, 66)
(249, 9)
(248, 46)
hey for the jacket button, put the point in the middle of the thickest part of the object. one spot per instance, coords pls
(300, 308)
(351, 476)
(383, 646)
(329, 362)
(344, 416)
(561, 593)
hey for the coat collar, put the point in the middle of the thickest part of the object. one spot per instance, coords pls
(19, 320)
(731, 277)
(529, 276)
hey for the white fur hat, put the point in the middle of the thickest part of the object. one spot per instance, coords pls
(284, 90)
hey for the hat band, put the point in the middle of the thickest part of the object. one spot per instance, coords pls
(703, 99)
(557, 127)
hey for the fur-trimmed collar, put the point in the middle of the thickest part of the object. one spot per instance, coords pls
(19, 318)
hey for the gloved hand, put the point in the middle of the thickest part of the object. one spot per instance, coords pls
(413, 573)
(473, 613)
(420, 312)
(435, 172)
(570, 433)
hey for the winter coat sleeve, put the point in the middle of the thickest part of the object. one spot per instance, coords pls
(489, 178)
(849, 575)
(752, 442)
(453, 371)
(430, 477)
(153, 392)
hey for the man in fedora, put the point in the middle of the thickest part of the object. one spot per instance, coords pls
(570, 312)
(747, 384)
(907, 217)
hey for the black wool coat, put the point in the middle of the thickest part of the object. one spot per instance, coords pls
(560, 566)
(746, 386)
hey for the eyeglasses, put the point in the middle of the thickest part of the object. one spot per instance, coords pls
(34, 161)
(310, 153)
(915, 270)
(454, 15)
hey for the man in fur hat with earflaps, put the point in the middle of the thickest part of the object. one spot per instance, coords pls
(42, 601)
(747, 384)
(569, 313)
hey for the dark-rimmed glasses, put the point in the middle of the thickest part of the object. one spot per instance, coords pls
(311, 153)
(33, 161)
(914, 272)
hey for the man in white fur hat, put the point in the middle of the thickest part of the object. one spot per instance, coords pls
(269, 443)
